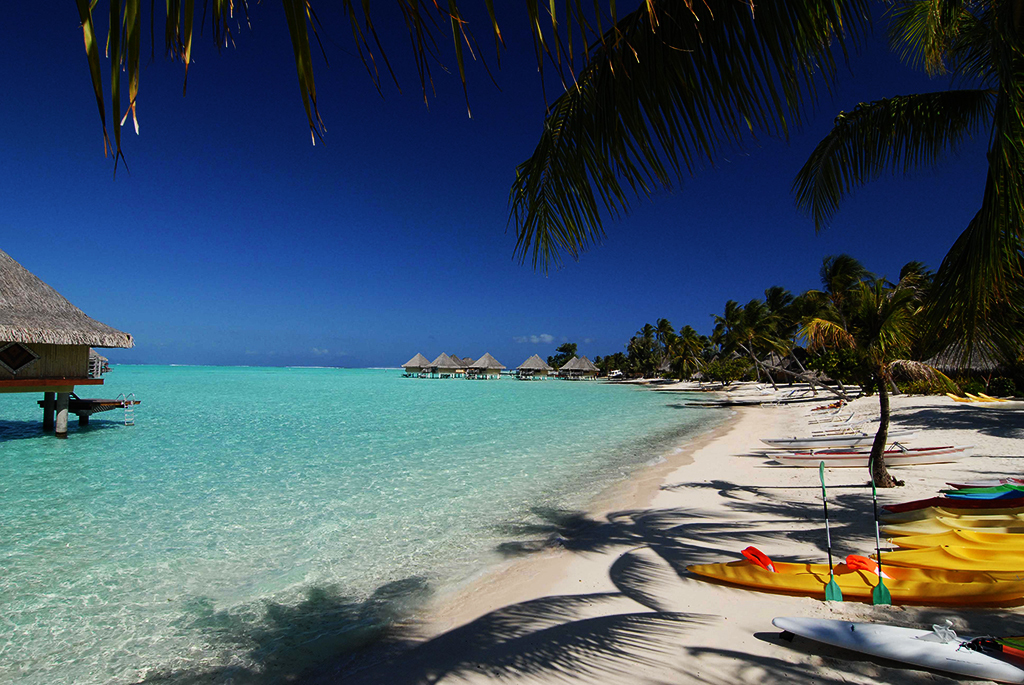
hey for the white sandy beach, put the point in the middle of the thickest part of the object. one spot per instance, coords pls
(615, 604)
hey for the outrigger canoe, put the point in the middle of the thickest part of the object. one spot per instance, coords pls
(962, 538)
(837, 440)
(987, 482)
(903, 456)
(958, 559)
(906, 585)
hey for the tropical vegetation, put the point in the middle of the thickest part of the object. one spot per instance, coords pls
(858, 329)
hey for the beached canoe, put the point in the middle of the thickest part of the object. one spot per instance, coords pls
(906, 585)
(1000, 514)
(962, 538)
(849, 458)
(1003, 490)
(941, 524)
(958, 559)
(940, 648)
(955, 504)
(987, 482)
(838, 440)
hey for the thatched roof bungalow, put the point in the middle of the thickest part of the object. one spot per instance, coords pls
(579, 368)
(45, 344)
(534, 367)
(44, 339)
(444, 366)
(416, 365)
(486, 366)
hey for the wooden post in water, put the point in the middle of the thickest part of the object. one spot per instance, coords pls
(83, 420)
(62, 414)
(48, 412)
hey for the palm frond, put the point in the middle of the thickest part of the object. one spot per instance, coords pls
(919, 371)
(665, 90)
(899, 133)
(824, 334)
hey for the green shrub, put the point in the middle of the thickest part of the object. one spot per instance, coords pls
(1002, 386)
(922, 387)
(971, 385)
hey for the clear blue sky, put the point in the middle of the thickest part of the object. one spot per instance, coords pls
(233, 240)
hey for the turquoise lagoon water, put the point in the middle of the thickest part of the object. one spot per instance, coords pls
(255, 520)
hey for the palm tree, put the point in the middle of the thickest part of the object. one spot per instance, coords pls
(879, 327)
(753, 331)
(688, 352)
(979, 44)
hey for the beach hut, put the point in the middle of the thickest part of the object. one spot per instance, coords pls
(415, 366)
(534, 367)
(486, 367)
(443, 367)
(577, 368)
(45, 344)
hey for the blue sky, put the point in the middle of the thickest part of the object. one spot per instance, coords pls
(233, 240)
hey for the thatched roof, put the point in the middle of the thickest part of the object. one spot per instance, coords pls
(443, 361)
(487, 362)
(571, 365)
(953, 359)
(534, 363)
(419, 361)
(33, 312)
(584, 364)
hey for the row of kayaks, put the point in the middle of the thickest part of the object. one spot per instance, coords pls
(949, 551)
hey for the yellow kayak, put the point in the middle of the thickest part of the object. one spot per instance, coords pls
(959, 559)
(943, 524)
(1007, 514)
(962, 538)
(906, 585)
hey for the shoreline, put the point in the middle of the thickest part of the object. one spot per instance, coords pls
(616, 604)
(516, 579)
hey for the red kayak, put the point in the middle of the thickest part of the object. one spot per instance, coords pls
(957, 503)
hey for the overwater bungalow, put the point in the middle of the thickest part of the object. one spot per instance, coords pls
(486, 367)
(443, 367)
(416, 366)
(45, 346)
(578, 368)
(534, 367)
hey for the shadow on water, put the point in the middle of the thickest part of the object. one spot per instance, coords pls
(31, 430)
(282, 642)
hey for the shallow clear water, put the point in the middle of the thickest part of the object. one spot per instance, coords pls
(255, 520)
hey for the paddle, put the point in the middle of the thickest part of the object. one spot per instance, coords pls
(880, 595)
(832, 591)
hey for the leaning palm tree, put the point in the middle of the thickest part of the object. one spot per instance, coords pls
(879, 327)
(980, 44)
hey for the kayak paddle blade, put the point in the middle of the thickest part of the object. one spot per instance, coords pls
(880, 595)
(832, 591)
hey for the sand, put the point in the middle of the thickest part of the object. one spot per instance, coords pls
(611, 602)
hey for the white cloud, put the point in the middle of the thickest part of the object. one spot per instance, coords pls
(545, 338)
(320, 352)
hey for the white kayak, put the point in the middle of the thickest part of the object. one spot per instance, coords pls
(894, 456)
(940, 648)
(839, 440)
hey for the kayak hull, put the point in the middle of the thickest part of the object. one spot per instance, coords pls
(906, 645)
(962, 538)
(1003, 561)
(839, 440)
(928, 587)
(835, 458)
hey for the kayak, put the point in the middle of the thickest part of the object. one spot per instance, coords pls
(840, 440)
(962, 538)
(907, 585)
(987, 482)
(942, 524)
(841, 458)
(955, 504)
(940, 648)
(1007, 514)
(958, 559)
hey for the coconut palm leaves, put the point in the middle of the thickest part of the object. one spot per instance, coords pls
(979, 43)
(879, 324)
(667, 88)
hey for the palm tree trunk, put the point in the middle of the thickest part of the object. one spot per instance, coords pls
(879, 473)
